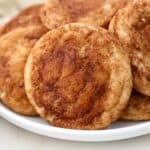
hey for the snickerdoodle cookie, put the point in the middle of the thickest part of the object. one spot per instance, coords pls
(15, 47)
(27, 17)
(138, 108)
(78, 76)
(96, 12)
(131, 26)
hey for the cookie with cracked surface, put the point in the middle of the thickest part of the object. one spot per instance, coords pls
(138, 108)
(27, 17)
(14, 49)
(131, 26)
(96, 12)
(78, 76)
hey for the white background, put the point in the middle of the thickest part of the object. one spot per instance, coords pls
(14, 138)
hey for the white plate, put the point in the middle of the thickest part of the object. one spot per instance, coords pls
(118, 131)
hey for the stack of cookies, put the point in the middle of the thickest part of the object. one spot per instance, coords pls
(79, 64)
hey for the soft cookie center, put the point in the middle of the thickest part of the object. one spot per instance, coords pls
(74, 81)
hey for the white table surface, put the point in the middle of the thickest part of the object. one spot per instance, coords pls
(14, 138)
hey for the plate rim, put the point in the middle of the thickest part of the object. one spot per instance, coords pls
(75, 135)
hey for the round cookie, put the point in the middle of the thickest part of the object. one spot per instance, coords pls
(27, 17)
(96, 12)
(78, 76)
(14, 50)
(131, 26)
(138, 108)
